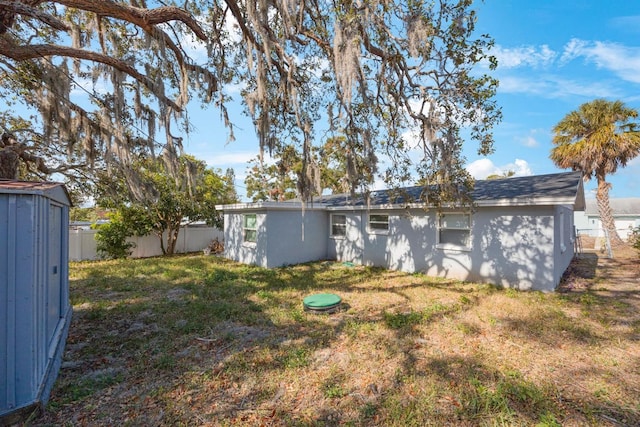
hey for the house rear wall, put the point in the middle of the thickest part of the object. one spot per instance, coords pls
(511, 246)
(522, 246)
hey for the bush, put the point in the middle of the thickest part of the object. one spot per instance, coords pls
(112, 239)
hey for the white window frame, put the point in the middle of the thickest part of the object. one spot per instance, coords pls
(440, 229)
(332, 223)
(374, 230)
(563, 246)
(245, 228)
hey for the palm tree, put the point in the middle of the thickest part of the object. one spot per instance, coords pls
(597, 139)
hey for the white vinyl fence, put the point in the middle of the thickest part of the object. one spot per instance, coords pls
(82, 243)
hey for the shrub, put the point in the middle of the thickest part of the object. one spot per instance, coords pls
(112, 239)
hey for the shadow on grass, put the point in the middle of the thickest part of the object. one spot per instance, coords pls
(200, 339)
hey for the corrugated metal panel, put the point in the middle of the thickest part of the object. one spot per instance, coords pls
(34, 298)
(7, 303)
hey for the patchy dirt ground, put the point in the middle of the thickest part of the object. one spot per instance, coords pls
(617, 277)
(195, 341)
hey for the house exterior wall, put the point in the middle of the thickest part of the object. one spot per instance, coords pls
(510, 246)
(514, 247)
(350, 247)
(520, 247)
(235, 248)
(34, 297)
(583, 223)
(283, 237)
(626, 216)
(295, 237)
(564, 240)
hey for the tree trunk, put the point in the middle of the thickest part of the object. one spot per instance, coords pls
(172, 237)
(9, 162)
(606, 215)
(159, 234)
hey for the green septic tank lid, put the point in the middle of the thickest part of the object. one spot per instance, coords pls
(321, 301)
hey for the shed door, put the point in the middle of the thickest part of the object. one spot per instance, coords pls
(54, 285)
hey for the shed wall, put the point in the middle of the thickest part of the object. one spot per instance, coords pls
(34, 300)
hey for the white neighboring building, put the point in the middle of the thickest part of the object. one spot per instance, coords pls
(626, 213)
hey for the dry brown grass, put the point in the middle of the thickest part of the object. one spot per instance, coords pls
(199, 341)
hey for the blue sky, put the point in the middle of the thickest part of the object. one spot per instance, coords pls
(553, 56)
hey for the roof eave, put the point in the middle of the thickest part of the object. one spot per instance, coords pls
(536, 201)
(540, 201)
(268, 205)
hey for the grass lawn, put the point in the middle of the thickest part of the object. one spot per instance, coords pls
(196, 340)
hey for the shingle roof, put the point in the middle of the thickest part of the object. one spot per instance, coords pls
(629, 206)
(559, 186)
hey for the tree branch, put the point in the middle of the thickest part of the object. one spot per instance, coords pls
(144, 18)
(9, 8)
(23, 53)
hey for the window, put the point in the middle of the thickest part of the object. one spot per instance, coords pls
(250, 228)
(338, 225)
(454, 230)
(378, 223)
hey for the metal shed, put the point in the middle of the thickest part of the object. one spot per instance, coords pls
(34, 292)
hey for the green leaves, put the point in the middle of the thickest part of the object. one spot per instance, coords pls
(597, 138)
(154, 200)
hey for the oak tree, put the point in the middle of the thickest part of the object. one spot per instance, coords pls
(368, 70)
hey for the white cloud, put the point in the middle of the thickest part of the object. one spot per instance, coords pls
(621, 60)
(553, 86)
(524, 56)
(530, 142)
(83, 90)
(232, 158)
(520, 167)
(482, 168)
(635, 162)
(195, 48)
(572, 50)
